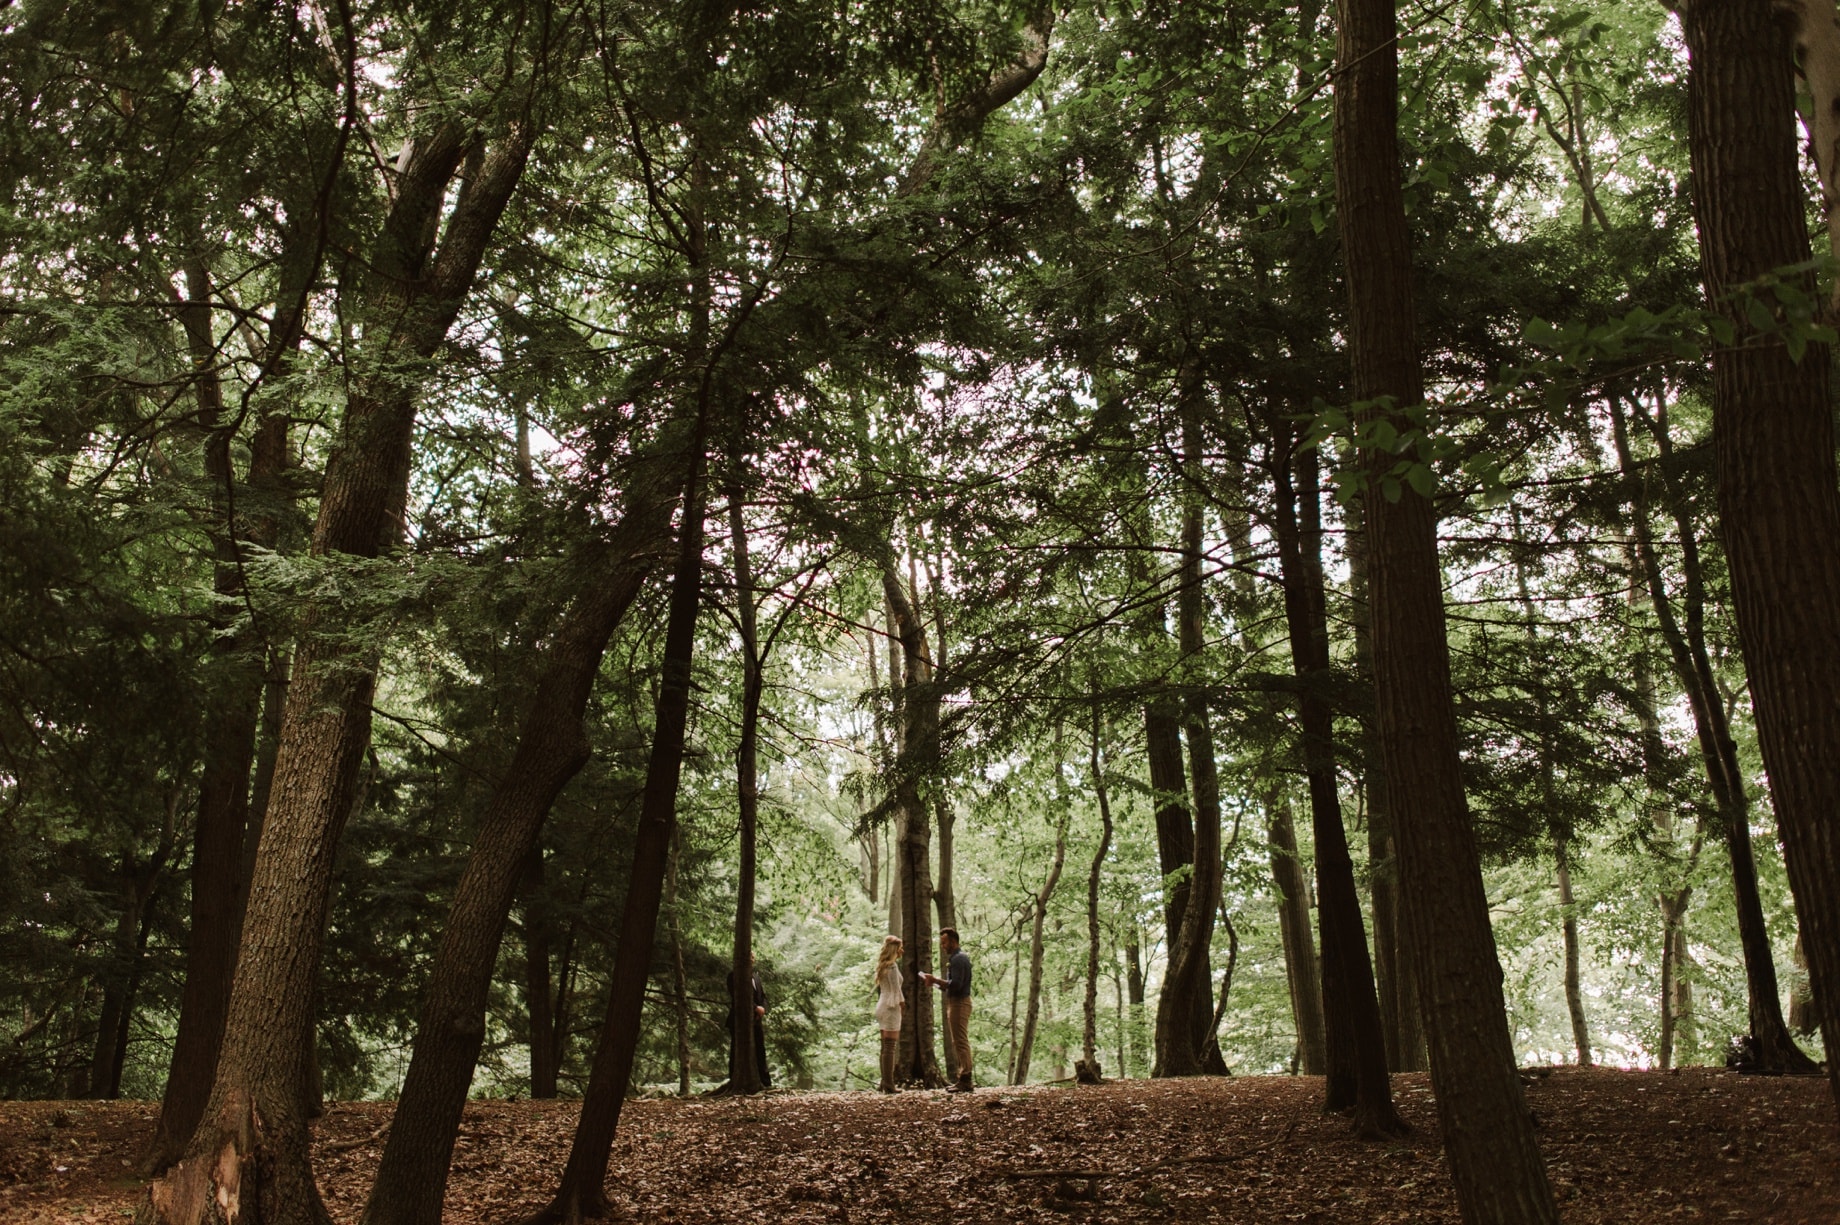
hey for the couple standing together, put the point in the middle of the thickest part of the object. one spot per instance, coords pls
(891, 1002)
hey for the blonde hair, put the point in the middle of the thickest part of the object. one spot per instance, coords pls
(891, 953)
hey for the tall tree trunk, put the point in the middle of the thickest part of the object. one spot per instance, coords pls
(249, 1153)
(1087, 1071)
(1038, 918)
(680, 981)
(1356, 1047)
(1574, 986)
(539, 991)
(582, 1192)
(1184, 1010)
(1556, 826)
(744, 1077)
(219, 882)
(1774, 1050)
(1299, 944)
(914, 770)
(1488, 1133)
(1773, 439)
(1400, 1014)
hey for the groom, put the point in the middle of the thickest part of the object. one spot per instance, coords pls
(957, 986)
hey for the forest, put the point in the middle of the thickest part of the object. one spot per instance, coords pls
(1306, 533)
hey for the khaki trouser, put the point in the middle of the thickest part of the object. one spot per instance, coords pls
(958, 1032)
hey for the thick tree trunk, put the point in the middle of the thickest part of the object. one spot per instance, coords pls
(249, 1153)
(1400, 1015)
(582, 1192)
(1773, 437)
(1300, 970)
(1488, 1133)
(1356, 1047)
(1817, 55)
(1773, 1049)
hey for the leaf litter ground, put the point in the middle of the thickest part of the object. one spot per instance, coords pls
(1623, 1148)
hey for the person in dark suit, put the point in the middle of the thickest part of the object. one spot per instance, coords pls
(760, 1031)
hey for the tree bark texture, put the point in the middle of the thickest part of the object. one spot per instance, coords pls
(218, 879)
(250, 1145)
(1354, 1043)
(1773, 442)
(1400, 1016)
(1494, 1158)
(914, 771)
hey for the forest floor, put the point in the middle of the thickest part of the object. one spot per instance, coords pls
(1623, 1148)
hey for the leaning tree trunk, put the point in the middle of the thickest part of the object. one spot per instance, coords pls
(1488, 1133)
(1773, 1049)
(1356, 1046)
(249, 1153)
(552, 746)
(582, 1192)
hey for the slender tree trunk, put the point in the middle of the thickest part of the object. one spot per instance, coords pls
(1774, 1049)
(744, 1076)
(680, 981)
(1556, 826)
(539, 991)
(582, 1192)
(1299, 943)
(1356, 1047)
(1184, 1007)
(1488, 1134)
(1773, 438)
(1038, 919)
(1087, 1071)
(1574, 987)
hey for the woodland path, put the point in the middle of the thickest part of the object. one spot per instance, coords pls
(1623, 1148)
